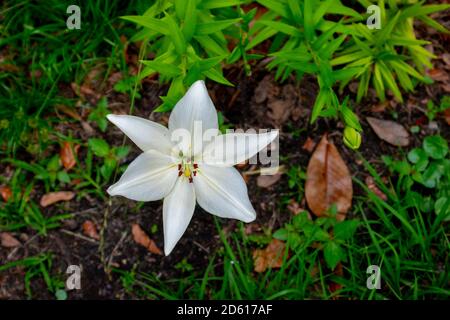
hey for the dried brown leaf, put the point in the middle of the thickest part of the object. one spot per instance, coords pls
(328, 181)
(370, 182)
(90, 230)
(389, 131)
(266, 181)
(67, 154)
(53, 197)
(8, 241)
(270, 257)
(140, 237)
(309, 145)
(5, 192)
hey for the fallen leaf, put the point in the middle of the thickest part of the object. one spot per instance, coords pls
(309, 145)
(447, 116)
(328, 181)
(8, 241)
(370, 182)
(270, 257)
(67, 155)
(280, 110)
(389, 131)
(438, 75)
(90, 230)
(141, 238)
(266, 181)
(265, 89)
(380, 107)
(5, 192)
(53, 197)
(68, 111)
(295, 208)
(251, 228)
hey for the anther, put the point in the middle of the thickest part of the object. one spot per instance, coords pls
(180, 173)
(195, 166)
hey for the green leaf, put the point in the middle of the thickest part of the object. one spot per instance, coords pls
(121, 152)
(319, 104)
(63, 177)
(206, 28)
(217, 77)
(390, 81)
(346, 229)
(276, 6)
(386, 31)
(418, 157)
(214, 4)
(435, 146)
(166, 69)
(176, 35)
(211, 46)
(295, 10)
(260, 37)
(350, 118)
(190, 19)
(309, 20)
(281, 27)
(99, 147)
(281, 234)
(157, 25)
(333, 254)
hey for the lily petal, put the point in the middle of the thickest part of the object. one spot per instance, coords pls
(223, 192)
(193, 109)
(178, 209)
(146, 134)
(233, 148)
(151, 176)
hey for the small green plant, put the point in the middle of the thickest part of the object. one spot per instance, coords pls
(98, 115)
(187, 37)
(184, 266)
(296, 181)
(326, 232)
(37, 267)
(428, 165)
(109, 155)
(386, 57)
(433, 110)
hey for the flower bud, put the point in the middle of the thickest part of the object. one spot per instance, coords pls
(352, 138)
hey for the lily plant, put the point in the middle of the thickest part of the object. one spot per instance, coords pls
(187, 163)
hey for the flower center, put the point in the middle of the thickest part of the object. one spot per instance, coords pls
(188, 169)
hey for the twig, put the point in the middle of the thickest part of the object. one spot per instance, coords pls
(80, 236)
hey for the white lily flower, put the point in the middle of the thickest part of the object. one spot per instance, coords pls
(184, 173)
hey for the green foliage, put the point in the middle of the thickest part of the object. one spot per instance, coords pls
(428, 166)
(303, 231)
(305, 41)
(98, 115)
(187, 37)
(391, 56)
(109, 155)
(433, 110)
(38, 267)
